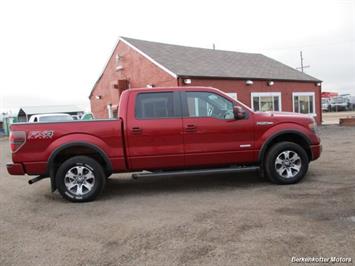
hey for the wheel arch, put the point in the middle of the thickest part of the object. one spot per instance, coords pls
(286, 135)
(69, 150)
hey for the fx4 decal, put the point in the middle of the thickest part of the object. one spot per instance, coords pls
(45, 134)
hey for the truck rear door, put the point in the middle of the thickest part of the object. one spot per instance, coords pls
(154, 130)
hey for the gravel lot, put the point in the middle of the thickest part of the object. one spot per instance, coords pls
(331, 118)
(212, 220)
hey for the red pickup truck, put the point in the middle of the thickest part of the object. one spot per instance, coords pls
(165, 131)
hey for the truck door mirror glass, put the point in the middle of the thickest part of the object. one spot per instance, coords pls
(239, 112)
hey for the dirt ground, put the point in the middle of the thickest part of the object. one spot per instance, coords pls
(211, 220)
(330, 118)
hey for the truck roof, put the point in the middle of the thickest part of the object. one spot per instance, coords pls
(182, 88)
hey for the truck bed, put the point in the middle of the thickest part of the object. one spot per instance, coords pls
(42, 139)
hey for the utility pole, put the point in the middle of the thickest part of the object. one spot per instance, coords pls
(302, 66)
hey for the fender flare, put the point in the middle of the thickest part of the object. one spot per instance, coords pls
(278, 134)
(50, 169)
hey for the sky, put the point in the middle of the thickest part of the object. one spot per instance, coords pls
(52, 52)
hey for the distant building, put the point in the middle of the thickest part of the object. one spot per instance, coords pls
(7, 119)
(25, 113)
(327, 94)
(262, 83)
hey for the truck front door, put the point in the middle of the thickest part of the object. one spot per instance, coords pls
(212, 136)
(154, 130)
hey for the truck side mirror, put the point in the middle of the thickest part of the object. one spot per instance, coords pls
(239, 112)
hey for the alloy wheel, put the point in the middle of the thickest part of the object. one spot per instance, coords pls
(288, 164)
(79, 180)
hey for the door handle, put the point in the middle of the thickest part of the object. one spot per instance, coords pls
(190, 128)
(136, 130)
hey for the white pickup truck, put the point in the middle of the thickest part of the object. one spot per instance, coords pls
(50, 118)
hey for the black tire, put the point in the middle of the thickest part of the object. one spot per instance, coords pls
(91, 176)
(273, 167)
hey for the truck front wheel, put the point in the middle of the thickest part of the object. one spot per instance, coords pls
(286, 163)
(80, 179)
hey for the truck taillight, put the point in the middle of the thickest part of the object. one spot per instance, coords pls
(17, 140)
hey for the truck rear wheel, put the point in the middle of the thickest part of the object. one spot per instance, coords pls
(286, 163)
(80, 179)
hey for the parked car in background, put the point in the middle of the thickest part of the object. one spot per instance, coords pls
(50, 118)
(326, 107)
(352, 102)
(340, 103)
(76, 117)
(169, 132)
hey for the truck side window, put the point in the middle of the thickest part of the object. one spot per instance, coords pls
(154, 105)
(207, 104)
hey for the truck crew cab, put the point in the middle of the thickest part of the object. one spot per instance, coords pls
(165, 131)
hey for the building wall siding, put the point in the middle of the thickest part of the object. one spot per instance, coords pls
(137, 69)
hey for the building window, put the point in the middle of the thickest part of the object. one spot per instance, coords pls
(208, 104)
(155, 105)
(303, 102)
(233, 95)
(266, 101)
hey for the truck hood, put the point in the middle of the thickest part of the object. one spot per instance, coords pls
(283, 114)
(284, 117)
